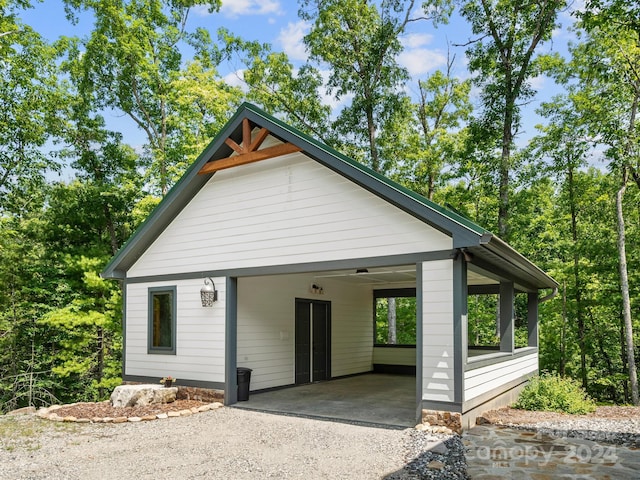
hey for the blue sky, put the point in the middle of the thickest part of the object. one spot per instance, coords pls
(277, 22)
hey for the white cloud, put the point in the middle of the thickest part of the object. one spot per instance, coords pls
(200, 10)
(577, 6)
(419, 61)
(291, 39)
(415, 40)
(241, 8)
(236, 79)
(538, 82)
(328, 99)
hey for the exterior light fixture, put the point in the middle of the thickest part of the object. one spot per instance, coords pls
(208, 293)
(362, 270)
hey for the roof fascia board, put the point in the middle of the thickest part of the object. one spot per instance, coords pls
(512, 256)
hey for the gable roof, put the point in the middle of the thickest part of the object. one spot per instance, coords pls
(464, 232)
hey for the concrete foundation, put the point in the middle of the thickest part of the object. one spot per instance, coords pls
(502, 400)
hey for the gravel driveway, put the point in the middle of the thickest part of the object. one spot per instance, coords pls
(225, 443)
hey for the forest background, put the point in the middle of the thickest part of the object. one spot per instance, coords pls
(565, 193)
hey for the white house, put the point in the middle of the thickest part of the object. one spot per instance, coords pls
(300, 242)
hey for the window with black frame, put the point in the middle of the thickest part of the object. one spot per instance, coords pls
(395, 316)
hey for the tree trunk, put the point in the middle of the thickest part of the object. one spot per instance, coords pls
(623, 358)
(505, 160)
(622, 254)
(113, 238)
(371, 128)
(100, 368)
(624, 290)
(576, 279)
(391, 321)
(563, 331)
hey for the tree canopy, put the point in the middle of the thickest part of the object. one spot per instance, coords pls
(453, 135)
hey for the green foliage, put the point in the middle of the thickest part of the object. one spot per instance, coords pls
(556, 394)
(505, 60)
(482, 314)
(132, 62)
(28, 95)
(279, 89)
(427, 138)
(60, 324)
(360, 41)
(405, 321)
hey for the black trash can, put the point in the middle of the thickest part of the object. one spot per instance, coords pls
(244, 378)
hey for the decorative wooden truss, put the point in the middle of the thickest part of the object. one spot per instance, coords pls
(248, 151)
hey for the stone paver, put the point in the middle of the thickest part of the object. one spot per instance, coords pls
(495, 453)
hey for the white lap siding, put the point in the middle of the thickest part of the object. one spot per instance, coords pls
(283, 211)
(266, 327)
(394, 356)
(200, 334)
(492, 377)
(437, 331)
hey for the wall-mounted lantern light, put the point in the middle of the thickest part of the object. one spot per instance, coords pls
(208, 293)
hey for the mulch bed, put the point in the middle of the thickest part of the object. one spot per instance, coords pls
(512, 416)
(104, 409)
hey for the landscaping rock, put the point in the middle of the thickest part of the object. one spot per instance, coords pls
(23, 411)
(437, 446)
(136, 395)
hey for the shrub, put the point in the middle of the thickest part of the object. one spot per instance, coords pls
(554, 393)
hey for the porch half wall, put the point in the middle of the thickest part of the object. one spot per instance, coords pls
(452, 382)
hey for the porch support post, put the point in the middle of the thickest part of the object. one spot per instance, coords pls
(506, 317)
(532, 319)
(459, 326)
(231, 343)
(419, 341)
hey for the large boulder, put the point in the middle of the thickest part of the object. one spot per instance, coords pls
(134, 395)
(23, 411)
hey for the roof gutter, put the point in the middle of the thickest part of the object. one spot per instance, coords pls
(504, 250)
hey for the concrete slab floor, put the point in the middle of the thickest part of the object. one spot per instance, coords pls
(382, 399)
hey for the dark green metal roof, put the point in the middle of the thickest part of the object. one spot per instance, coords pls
(465, 233)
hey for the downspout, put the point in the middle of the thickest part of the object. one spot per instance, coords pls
(548, 297)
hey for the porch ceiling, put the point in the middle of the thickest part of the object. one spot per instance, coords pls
(373, 276)
(402, 274)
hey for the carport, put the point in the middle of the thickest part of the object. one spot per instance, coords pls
(245, 264)
(373, 398)
(272, 312)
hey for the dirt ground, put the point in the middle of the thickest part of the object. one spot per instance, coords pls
(222, 443)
